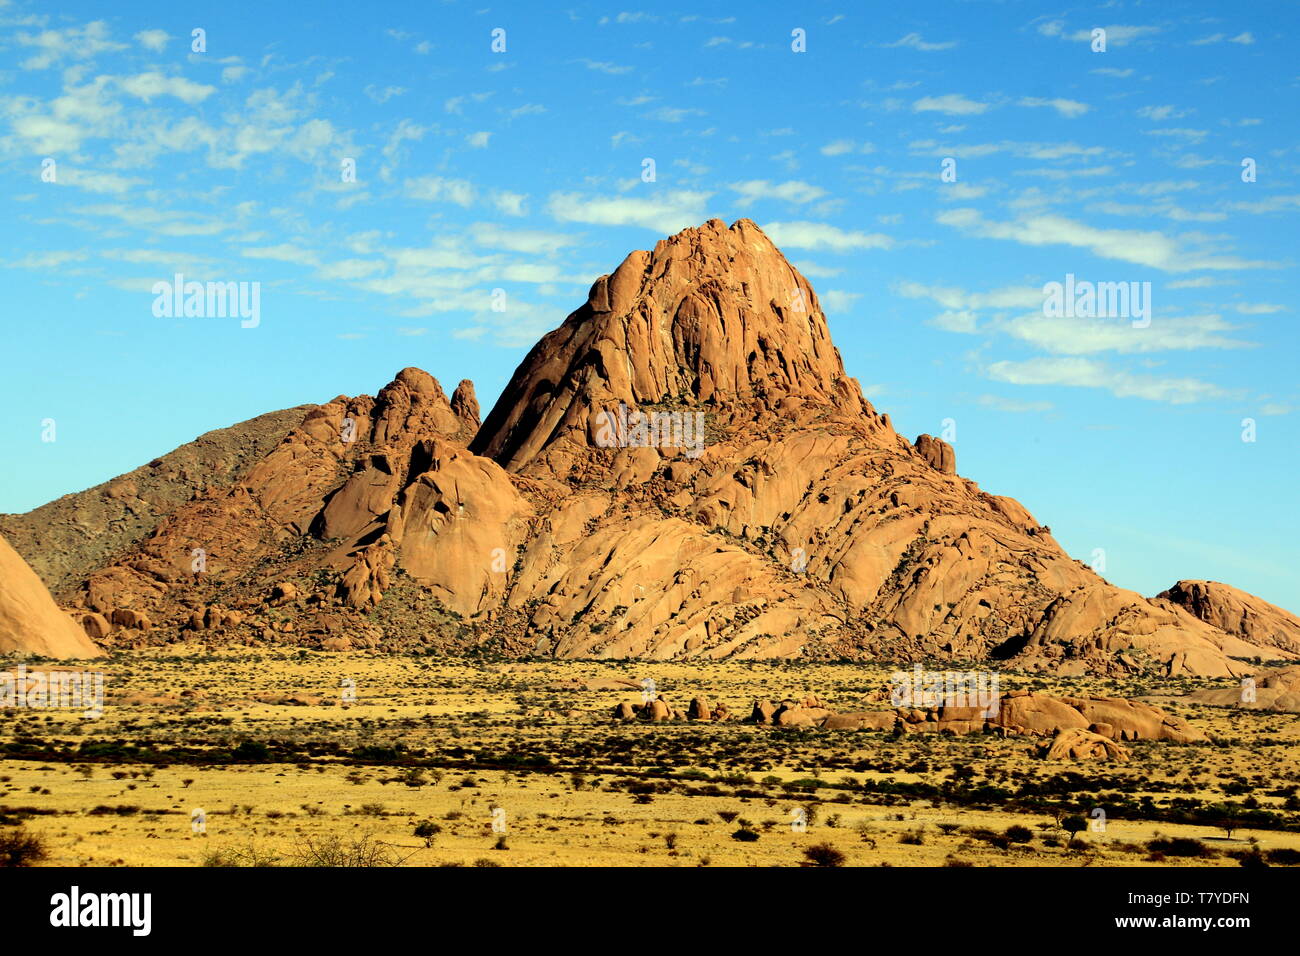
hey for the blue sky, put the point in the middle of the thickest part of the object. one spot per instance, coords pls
(522, 170)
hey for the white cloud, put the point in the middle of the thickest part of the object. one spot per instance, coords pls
(155, 40)
(383, 94)
(530, 241)
(1089, 373)
(667, 212)
(283, 252)
(841, 146)
(1067, 108)
(1192, 135)
(55, 46)
(46, 260)
(508, 203)
(95, 182)
(961, 321)
(793, 191)
(1079, 336)
(953, 104)
(606, 67)
(165, 222)
(478, 140)
(1161, 113)
(1116, 34)
(837, 300)
(816, 271)
(916, 42)
(1152, 249)
(350, 269)
(1246, 38)
(1008, 297)
(148, 86)
(1278, 203)
(818, 235)
(436, 189)
(457, 103)
(669, 114)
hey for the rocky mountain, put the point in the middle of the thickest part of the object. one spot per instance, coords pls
(682, 469)
(72, 536)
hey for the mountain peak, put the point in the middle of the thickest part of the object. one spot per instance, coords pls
(711, 316)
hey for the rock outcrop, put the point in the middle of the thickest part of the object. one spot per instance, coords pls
(1235, 612)
(30, 621)
(803, 524)
(682, 469)
(938, 453)
(356, 484)
(1076, 744)
(1019, 713)
(1277, 690)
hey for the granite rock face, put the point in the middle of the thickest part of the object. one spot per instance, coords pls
(30, 621)
(682, 469)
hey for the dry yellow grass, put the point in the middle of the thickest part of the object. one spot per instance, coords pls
(648, 795)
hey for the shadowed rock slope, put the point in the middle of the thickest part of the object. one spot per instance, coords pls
(72, 536)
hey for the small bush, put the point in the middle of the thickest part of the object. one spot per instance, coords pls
(20, 848)
(330, 851)
(823, 854)
(1018, 834)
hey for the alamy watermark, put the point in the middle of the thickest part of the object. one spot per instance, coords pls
(633, 428)
(208, 300)
(50, 690)
(921, 688)
(1098, 300)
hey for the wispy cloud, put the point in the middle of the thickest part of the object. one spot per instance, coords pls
(951, 104)
(916, 42)
(1090, 373)
(1146, 248)
(665, 212)
(818, 235)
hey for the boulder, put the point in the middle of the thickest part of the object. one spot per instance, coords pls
(1078, 744)
(95, 625)
(134, 620)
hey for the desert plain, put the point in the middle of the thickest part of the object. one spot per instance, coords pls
(208, 756)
